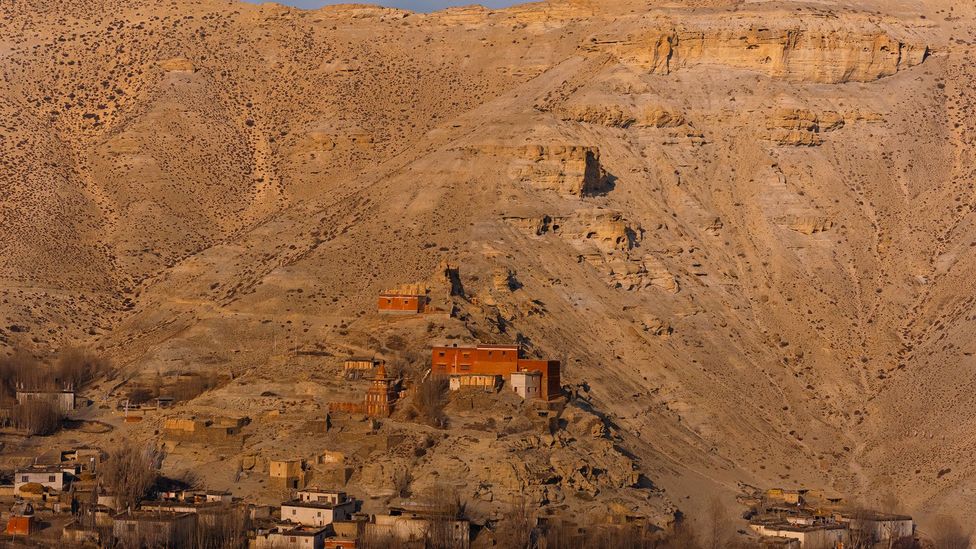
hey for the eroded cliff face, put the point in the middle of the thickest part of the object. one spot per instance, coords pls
(798, 52)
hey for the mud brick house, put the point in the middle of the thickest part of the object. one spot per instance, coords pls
(321, 495)
(287, 474)
(407, 299)
(500, 360)
(216, 431)
(63, 400)
(153, 529)
(300, 537)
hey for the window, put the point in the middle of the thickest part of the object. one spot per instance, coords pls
(406, 301)
(50, 478)
(293, 512)
(441, 353)
(25, 478)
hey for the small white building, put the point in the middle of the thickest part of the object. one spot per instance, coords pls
(881, 527)
(52, 478)
(313, 513)
(214, 496)
(318, 495)
(300, 537)
(823, 536)
(527, 385)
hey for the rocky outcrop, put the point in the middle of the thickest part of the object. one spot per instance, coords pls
(802, 127)
(810, 224)
(177, 64)
(823, 55)
(566, 169)
(615, 116)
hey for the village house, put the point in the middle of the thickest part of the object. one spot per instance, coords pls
(287, 474)
(50, 477)
(407, 299)
(154, 529)
(879, 527)
(63, 400)
(299, 537)
(318, 495)
(502, 360)
(405, 527)
(316, 513)
(216, 431)
(810, 536)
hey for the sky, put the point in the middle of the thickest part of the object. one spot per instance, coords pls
(415, 5)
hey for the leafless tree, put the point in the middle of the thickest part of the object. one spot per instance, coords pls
(37, 417)
(719, 528)
(224, 527)
(129, 473)
(515, 527)
(430, 400)
(947, 533)
(446, 508)
(859, 533)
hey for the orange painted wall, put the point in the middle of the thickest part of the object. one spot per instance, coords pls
(494, 360)
(399, 303)
(20, 526)
(472, 360)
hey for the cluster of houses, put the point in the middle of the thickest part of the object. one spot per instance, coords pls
(809, 519)
(58, 494)
(57, 482)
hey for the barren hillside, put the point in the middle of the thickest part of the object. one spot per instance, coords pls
(746, 228)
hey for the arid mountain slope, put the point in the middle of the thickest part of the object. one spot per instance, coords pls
(746, 228)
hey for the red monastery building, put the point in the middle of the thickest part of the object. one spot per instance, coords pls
(500, 360)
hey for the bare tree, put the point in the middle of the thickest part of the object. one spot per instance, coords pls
(37, 417)
(947, 533)
(720, 528)
(859, 533)
(224, 527)
(430, 400)
(129, 473)
(446, 514)
(515, 528)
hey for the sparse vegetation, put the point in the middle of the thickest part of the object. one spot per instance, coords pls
(130, 473)
(430, 400)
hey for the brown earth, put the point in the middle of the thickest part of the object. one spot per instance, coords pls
(746, 227)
